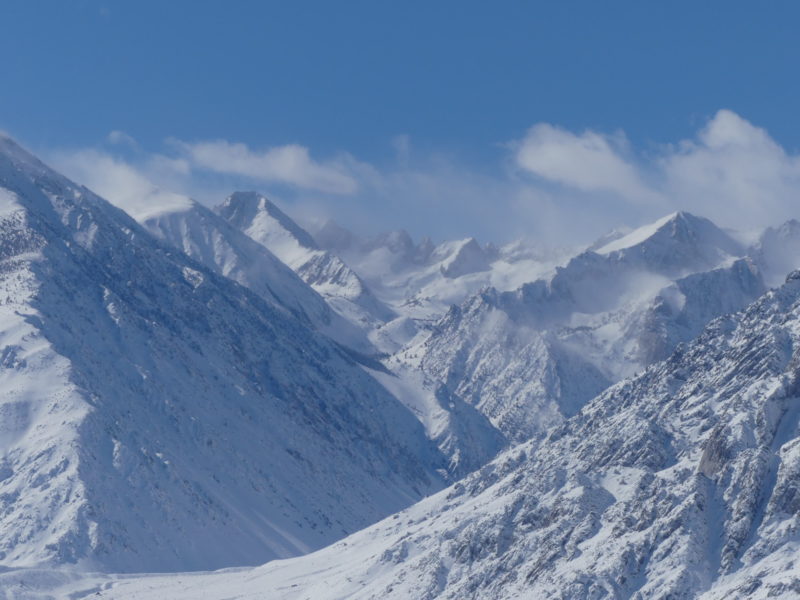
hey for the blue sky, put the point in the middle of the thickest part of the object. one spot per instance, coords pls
(417, 114)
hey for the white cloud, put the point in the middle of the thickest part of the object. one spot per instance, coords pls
(590, 162)
(402, 147)
(122, 139)
(291, 164)
(119, 183)
(563, 187)
(732, 172)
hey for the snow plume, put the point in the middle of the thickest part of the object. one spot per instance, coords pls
(555, 185)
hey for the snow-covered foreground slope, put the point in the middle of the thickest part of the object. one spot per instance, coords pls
(681, 482)
(157, 416)
(463, 434)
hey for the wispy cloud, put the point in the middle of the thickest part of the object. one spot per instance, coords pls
(732, 172)
(291, 164)
(589, 161)
(121, 138)
(552, 184)
(121, 183)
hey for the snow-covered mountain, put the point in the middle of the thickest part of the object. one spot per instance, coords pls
(421, 281)
(155, 415)
(208, 238)
(464, 435)
(681, 482)
(211, 388)
(675, 245)
(528, 358)
(265, 223)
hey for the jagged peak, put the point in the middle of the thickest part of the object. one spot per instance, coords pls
(241, 208)
(12, 150)
(462, 257)
(680, 226)
(249, 200)
(787, 228)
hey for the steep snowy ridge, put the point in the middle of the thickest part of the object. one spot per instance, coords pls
(157, 416)
(259, 218)
(217, 388)
(678, 483)
(262, 221)
(463, 434)
(205, 236)
(463, 258)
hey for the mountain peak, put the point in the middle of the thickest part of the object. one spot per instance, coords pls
(464, 257)
(251, 199)
(10, 148)
(677, 243)
(397, 241)
(261, 218)
(644, 233)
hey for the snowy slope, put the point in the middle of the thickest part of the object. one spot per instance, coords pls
(157, 416)
(420, 282)
(678, 483)
(262, 221)
(519, 377)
